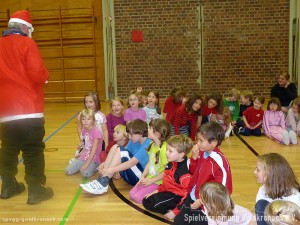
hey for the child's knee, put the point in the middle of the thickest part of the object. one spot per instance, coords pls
(132, 194)
(68, 172)
(136, 197)
(139, 199)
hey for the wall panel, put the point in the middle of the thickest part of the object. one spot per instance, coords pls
(70, 39)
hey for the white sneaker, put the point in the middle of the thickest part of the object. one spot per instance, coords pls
(94, 187)
(293, 137)
(285, 137)
(230, 129)
(241, 130)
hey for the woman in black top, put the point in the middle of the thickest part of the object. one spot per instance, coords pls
(285, 91)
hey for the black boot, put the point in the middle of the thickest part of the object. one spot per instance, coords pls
(10, 187)
(38, 193)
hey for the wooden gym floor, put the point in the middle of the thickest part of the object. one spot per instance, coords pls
(70, 205)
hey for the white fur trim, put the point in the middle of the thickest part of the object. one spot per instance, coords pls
(22, 116)
(17, 20)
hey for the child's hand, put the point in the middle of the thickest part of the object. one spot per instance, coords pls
(148, 195)
(195, 151)
(184, 100)
(79, 146)
(170, 215)
(146, 181)
(287, 84)
(141, 180)
(101, 167)
(196, 204)
(79, 150)
(139, 89)
(105, 172)
(283, 109)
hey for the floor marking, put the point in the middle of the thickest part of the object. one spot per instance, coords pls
(116, 191)
(122, 197)
(112, 186)
(70, 208)
(61, 127)
(248, 146)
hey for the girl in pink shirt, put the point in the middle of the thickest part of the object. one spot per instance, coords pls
(134, 111)
(293, 117)
(115, 117)
(87, 161)
(274, 124)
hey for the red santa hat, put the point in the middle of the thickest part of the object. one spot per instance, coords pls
(22, 17)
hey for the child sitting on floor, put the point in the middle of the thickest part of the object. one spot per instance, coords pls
(176, 177)
(130, 160)
(159, 131)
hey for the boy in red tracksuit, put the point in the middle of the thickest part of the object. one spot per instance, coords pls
(207, 164)
(176, 177)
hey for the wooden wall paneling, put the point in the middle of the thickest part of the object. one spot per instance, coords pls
(51, 52)
(56, 75)
(65, 29)
(100, 82)
(76, 74)
(83, 86)
(78, 51)
(75, 63)
(3, 19)
(74, 44)
(54, 87)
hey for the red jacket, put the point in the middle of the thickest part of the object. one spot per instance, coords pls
(22, 76)
(215, 168)
(170, 108)
(183, 118)
(176, 178)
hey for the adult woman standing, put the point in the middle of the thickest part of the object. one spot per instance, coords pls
(284, 90)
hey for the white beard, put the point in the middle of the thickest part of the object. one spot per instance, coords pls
(29, 33)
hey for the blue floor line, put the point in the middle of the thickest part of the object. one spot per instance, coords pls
(62, 126)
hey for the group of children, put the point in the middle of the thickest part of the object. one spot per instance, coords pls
(151, 154)
(249, 118)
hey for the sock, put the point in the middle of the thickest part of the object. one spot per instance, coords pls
(103, 181)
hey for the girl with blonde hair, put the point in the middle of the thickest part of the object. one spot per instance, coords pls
(87, 161)
(283, 213)
(219, 207)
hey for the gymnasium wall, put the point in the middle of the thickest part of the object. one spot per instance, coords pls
(245, 44)
(69, 34)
